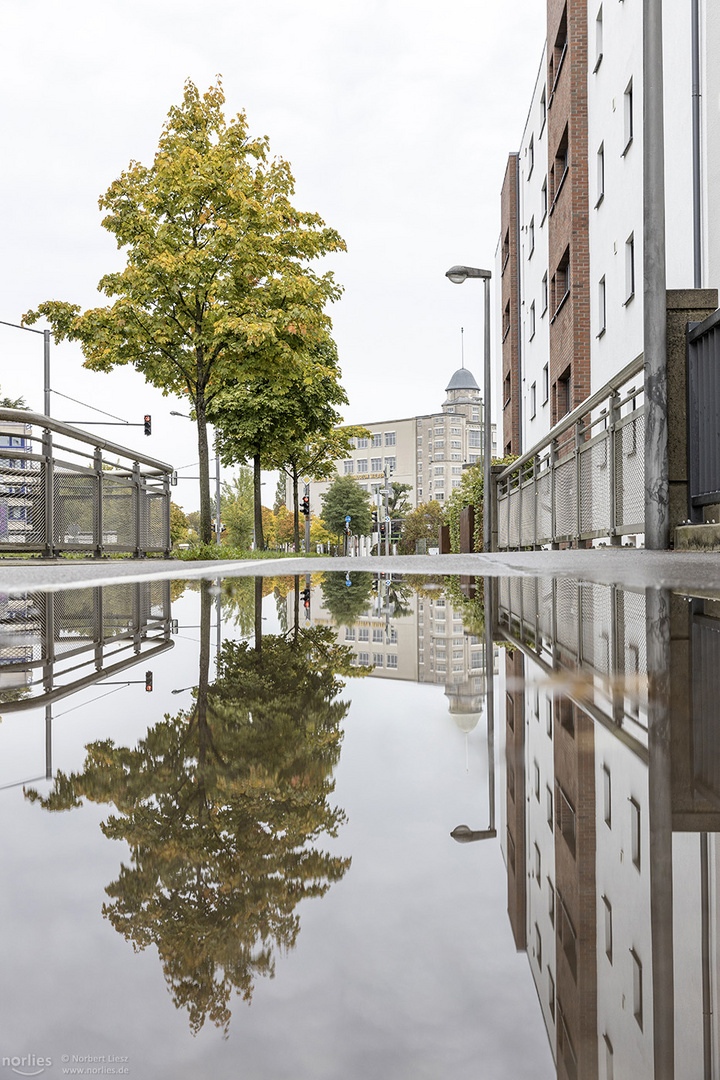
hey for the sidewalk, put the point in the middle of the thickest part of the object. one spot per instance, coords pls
(695, 572)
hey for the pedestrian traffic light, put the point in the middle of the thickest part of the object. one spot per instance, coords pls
(305, 505)
(148, 682)
(148, 423)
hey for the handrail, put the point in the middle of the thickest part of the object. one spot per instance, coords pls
(24, 416)
(570, 419)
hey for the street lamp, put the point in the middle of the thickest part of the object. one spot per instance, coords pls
(46, 359)
(458, 274)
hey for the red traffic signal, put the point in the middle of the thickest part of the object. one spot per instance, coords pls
(147, 419)
(148, 682)
(305, 505)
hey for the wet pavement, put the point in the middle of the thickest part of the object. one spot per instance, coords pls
(366, 823)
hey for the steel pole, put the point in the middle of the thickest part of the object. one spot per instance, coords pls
(657, 509)
(217, 491)
(46, 372)
(487, 434)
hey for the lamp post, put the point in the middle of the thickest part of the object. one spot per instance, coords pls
(46, 359)
(458, 274)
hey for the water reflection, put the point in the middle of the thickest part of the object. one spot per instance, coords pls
(223, 807)
(593, 708)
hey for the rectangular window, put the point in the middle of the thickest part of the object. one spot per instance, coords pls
(377, 634)
(600, 174)
(635, 832)
(598, 38)
(560, 165)
(531, 237)
(607, 797)
(376, 464)
(348, 467)
(531, 156)
(506, 249)
(544, 293)
(364, 658)
(543, 109)
(506, 320)
(391, 660)
(602, 307)
(378, 659)
(377, 440)
(549, 718)
(551, 994)
(439, 470)
(561, 281)
(389, 438)
(475, 434)
(563, 394)
(390, 463)
(362, 444)
(536, 774)
(551, 902)
(557, 55)
(545, 386)
(629, 268)
(538, 946)
(506, 391)
(609, 1059)
(533, 400)
(543, 201)
(637, 988)
(549, 806)
(608, 929)
(629, 118)
(565, 817)
(538, 866)
(362, 465)
(532, 320)
(363, 633)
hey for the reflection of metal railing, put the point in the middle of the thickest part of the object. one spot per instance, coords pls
(703, 353)
(590, 640)
(55, 644)
(69, 496)
(585, 479)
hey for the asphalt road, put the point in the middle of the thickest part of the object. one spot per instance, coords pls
(693, 572)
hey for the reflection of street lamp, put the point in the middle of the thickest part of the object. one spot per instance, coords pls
(46, 358)
(463, 833)
(458, 274)
(217, 477)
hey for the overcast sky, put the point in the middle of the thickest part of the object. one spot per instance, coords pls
(397, 117)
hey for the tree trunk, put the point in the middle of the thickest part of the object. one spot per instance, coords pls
(257, 490)
(258, 614)
(296, 510)
(205, 510)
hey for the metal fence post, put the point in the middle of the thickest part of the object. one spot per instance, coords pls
(553, 496)
(138, 494)
(166, 515)
(98, 515)
(578, 479)
(535, 504)
(48, 466)
(613, 417)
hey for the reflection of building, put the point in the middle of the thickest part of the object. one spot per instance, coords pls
(15, 501)
(427, 452)
(579, 845)
(426, 643)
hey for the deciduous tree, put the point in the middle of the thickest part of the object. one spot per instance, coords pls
(346, 498)
(217, 285)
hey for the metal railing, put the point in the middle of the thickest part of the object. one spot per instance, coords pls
(54, 644)
(703, 405)
(586, 478)
(62, 489)
(590, 639)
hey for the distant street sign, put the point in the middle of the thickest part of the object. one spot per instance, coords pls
(306, 479)
(348, 518)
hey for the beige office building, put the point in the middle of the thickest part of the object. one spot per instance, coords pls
(427, 452)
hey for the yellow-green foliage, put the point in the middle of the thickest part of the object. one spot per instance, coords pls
(469, 493)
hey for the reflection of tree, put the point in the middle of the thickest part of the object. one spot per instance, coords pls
(346, 603)
(222, 807)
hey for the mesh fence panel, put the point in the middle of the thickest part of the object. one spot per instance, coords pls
(630, 471)
(514, 518)
(119, 501)
(527, 533)
(503, 509)
(596, 624)
(156, 505)
(565, 498)
(543, 504)
(74, 509)
(567, 614)
(545, 606)
(595, 488)
(529, 602)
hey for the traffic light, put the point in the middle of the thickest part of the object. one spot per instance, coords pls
(305, 505)
(305, 597)
(374, 521)
(148, 682)
(148, 424)
(382, 529)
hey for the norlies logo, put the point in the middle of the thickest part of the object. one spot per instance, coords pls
(27, 1065)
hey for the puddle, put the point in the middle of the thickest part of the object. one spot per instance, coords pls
(315, 826)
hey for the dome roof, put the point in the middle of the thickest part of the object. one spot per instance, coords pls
(462, 379)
